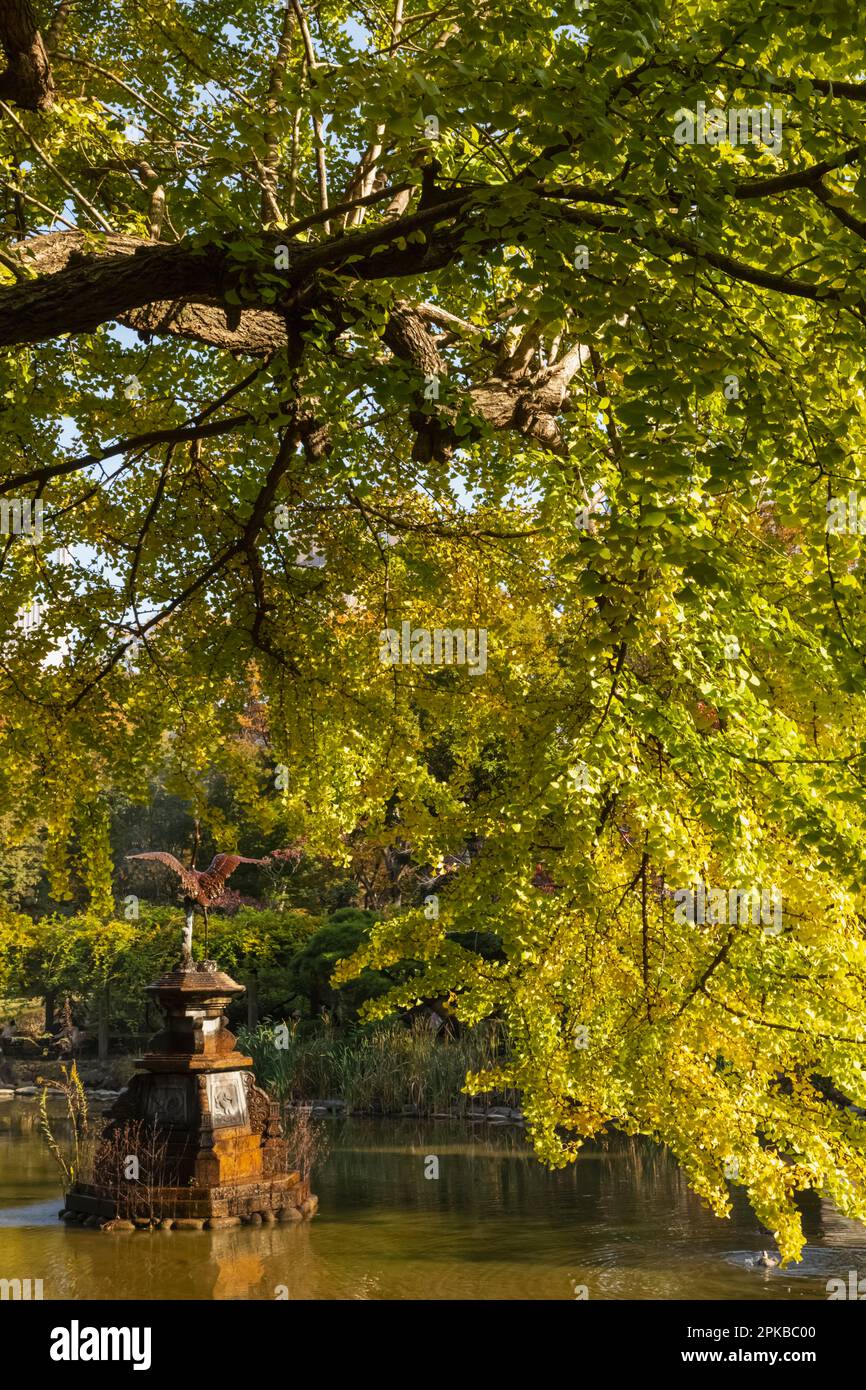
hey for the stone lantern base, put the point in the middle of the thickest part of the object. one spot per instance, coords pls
(192, 1140)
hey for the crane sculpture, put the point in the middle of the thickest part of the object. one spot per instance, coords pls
(202, 888)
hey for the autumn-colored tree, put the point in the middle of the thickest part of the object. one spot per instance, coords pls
(543, 322)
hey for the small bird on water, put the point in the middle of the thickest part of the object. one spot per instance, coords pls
(764, 1261)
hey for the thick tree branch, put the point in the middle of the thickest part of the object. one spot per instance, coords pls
(513, 397)
(27, 81)
(258, 332)
(80, 288)
(270, 165)
(90, 290)
(318, 129)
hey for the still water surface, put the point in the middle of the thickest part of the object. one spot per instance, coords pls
(494, 1225)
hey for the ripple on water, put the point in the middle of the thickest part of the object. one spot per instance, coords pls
(495, 1225)
(816, 1262)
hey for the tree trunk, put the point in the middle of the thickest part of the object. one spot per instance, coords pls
(49, 1001)
(102, 1026)
(27, 80)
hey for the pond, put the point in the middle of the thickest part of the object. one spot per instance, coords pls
(494, 1224)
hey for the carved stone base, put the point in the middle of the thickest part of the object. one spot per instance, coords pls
(206, 1140)
(243, 1200)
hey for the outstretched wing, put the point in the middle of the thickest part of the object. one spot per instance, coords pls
(222, 866)
(188, 877)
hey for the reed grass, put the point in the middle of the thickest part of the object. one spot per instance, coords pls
(73, 1154)
(382, 1070)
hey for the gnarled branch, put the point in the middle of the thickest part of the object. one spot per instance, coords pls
(27, 81)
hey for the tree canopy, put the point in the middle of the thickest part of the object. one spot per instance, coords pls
(319, 319)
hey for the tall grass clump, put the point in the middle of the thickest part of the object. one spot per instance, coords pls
(73, 1152)
(378, 1070)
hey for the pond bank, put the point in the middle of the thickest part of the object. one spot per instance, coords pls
(390, 1069)
(334, 1108)
(110, 1075)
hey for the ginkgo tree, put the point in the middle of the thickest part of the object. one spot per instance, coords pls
(319, 320)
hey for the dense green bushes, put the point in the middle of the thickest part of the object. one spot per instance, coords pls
(286, 961)
(92, 962)
(309, 976)
(103, 966)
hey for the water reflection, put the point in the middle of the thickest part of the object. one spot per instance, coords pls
(494, 1224)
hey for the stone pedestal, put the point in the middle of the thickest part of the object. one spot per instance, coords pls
(207, 1140)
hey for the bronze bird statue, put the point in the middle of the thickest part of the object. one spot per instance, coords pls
(202, 888)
